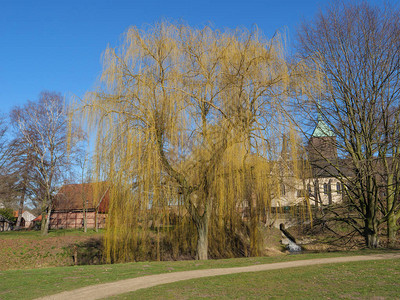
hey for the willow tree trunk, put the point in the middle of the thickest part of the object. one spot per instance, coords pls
(202, 238)
(254, 243)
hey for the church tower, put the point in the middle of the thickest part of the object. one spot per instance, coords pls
(322, 151)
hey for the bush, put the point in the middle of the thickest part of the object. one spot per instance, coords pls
(86, 253)
(8, 213)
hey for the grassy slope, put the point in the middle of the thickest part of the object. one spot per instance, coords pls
(29, 249)
(28, 284)
(37, 235)
(354, 280)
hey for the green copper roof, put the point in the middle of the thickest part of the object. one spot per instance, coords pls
(322, 129)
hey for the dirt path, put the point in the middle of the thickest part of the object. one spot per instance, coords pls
(129, 285)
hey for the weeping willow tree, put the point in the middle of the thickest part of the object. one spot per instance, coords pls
(188, 124)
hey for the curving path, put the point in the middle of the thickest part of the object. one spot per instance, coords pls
(129, 285)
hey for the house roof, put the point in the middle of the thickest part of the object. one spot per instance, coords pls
(25, 214)
(74, 196)
(37, 219)
(335, 167)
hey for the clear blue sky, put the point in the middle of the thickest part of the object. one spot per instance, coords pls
(57, 45)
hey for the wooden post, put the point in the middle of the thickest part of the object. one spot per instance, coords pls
(75, 256)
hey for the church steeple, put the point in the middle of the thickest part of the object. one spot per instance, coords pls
(322, 129)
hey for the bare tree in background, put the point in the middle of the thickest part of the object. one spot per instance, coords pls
(357, 47)
(4, 143)
(21, 168)
(8, 180)
(44, 127)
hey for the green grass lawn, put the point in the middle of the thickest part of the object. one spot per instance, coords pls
(352, 280)
(28, 284)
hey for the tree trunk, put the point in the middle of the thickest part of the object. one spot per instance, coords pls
(96, 222)
(21, 206)
(392, 229)
(392, 218)
(372, 240)
(43, 222)
(45, 229)
(202, 240)
(20, 209)
(371, 233)
(316, 192)
(84, 221)
(330, 192)
(254, 238)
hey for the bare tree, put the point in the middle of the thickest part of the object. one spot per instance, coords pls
(356, 46)
(9, 179)
(43, 125)
(21, 167)
(5, 150)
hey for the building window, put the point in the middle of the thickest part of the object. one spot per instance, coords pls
(325, 188)
(338, 187)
